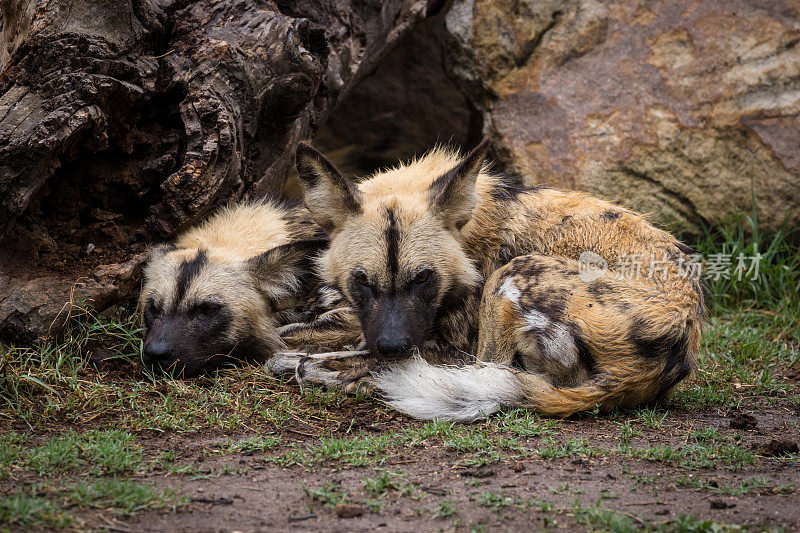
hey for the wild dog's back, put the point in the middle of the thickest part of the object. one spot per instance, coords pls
(417, 248)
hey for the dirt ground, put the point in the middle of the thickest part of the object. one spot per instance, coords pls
(247, 491)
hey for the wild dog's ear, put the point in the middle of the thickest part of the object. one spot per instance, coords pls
(453, 194)
(278, 270)
(330, 196)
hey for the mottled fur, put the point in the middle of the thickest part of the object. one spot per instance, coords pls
(223, 289)
(501, 279)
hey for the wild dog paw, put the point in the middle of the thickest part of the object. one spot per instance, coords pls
(284, 363)
(343, 370)
(363, 384)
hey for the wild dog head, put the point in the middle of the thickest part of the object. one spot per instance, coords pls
(216, 296)
(395, 251)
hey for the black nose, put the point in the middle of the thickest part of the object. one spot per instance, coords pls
(157, 351)
(392, 346)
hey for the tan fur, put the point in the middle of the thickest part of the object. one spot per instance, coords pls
(575, 343)
(241, 231)
(257, 296)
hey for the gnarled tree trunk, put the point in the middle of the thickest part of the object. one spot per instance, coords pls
(123, 121)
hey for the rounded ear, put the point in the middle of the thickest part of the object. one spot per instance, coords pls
(330, 196)
(278, 270)
(453, 194)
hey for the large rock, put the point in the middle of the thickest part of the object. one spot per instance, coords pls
(688, 110)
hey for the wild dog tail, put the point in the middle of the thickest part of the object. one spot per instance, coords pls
(463, 394)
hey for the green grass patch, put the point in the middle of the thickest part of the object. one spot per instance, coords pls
(56, 509)
(122, 497)
(753, 333)
(572, 448)
(736, 360)
(771, 301)
(93, 452)
(444, 510)
(361, 450)
(705, 449)
(23, 510)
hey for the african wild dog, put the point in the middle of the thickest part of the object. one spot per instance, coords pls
(224, 288)
(441, 249)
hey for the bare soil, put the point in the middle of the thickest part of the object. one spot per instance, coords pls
(261, 496)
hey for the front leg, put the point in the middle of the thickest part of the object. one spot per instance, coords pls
(335, 328)
(346, 370)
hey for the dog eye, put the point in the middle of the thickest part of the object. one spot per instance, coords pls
(152, 307)
(422, 276)
(152, 310)
(361, 278)
(208, 308)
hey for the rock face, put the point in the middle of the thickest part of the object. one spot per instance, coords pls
(687, 110)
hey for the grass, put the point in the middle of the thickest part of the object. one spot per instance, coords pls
(123, 497)
(387, 482)
(93, 453)
(50, 476)
(251, 445)
(756, 485)
(329, 495)
(771, 302)
(57, 508)
(24, 510)
(444, 510)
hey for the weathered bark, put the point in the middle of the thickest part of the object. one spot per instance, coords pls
(123, 121)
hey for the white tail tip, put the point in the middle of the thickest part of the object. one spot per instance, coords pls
(459, 394)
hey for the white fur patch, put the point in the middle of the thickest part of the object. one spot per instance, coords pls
(556, 340)
(459, 394)
(536, 321)
(510, 291)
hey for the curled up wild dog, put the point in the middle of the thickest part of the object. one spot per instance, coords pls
(442, 250)
(224, 288)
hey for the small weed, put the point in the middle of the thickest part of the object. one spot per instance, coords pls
(525, 423)
(626, 431)
(375, 506)
(605, 519)
(652, 417)
(498, 502)
(444, 509)
(566, 489)
(388, 481)
(329, 495)
(291, 457)
(706, 449)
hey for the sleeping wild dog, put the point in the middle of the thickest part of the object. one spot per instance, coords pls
(441, 249)
(224, 288)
